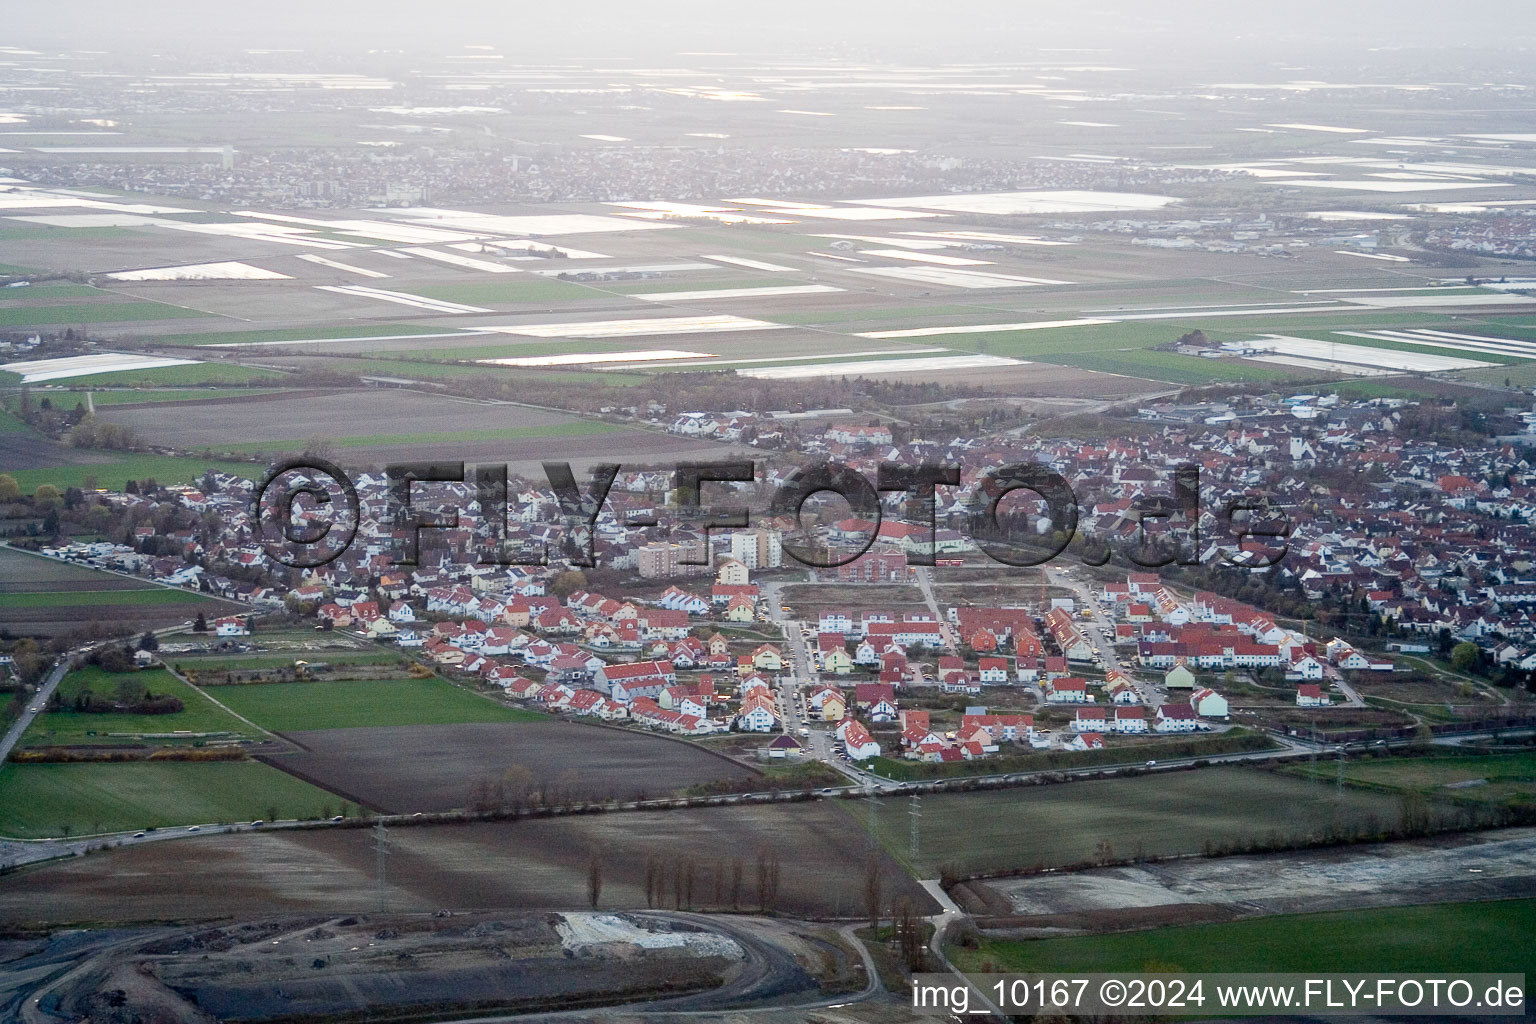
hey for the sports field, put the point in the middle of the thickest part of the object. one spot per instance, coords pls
(49, 800)
(1468, 937)
(287, 707)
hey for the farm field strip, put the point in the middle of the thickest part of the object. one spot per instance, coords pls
(333, 341)
(75, 598)
(43, 800)
(749, 264)
(453, 259)
(936, 258)
(37, 370)
(918, 365)
(952, 278)
(888, 352)
(1047, 201)
(1489, 936)
(226, 271)
(1337, 352)
(704, 324)
(777, 291)
(1323, 365)
(335, 265)
(633, 359)
(576, 429)
(338, 704)
(97, 313)
(1446, 341)
(987, 236)
(402, 299)
(1057, 826)
(364, 332)
(1037, 325)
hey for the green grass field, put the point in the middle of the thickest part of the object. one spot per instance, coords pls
(53, 291)
(291, 707)
(66, 598)
(48, 800)
(40, 232)
(253, 662)
(1168, 814)
(1506, 777)
(93, 313)
(1176, 368)
(1470, 937)
(10, 424)
(201, 715)
(166, 469)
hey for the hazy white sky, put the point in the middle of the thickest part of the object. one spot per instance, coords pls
(903, 27)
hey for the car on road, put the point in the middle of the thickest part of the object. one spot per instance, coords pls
(257, 823)
(35, 709)
(338, 818)
(194, 828)
(1151, 764)
(138, 835)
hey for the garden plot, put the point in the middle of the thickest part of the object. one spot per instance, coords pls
(36, 370)
(1361, 355)
(640, 327)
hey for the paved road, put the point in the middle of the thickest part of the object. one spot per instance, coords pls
(925, 584)
(34, 707)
